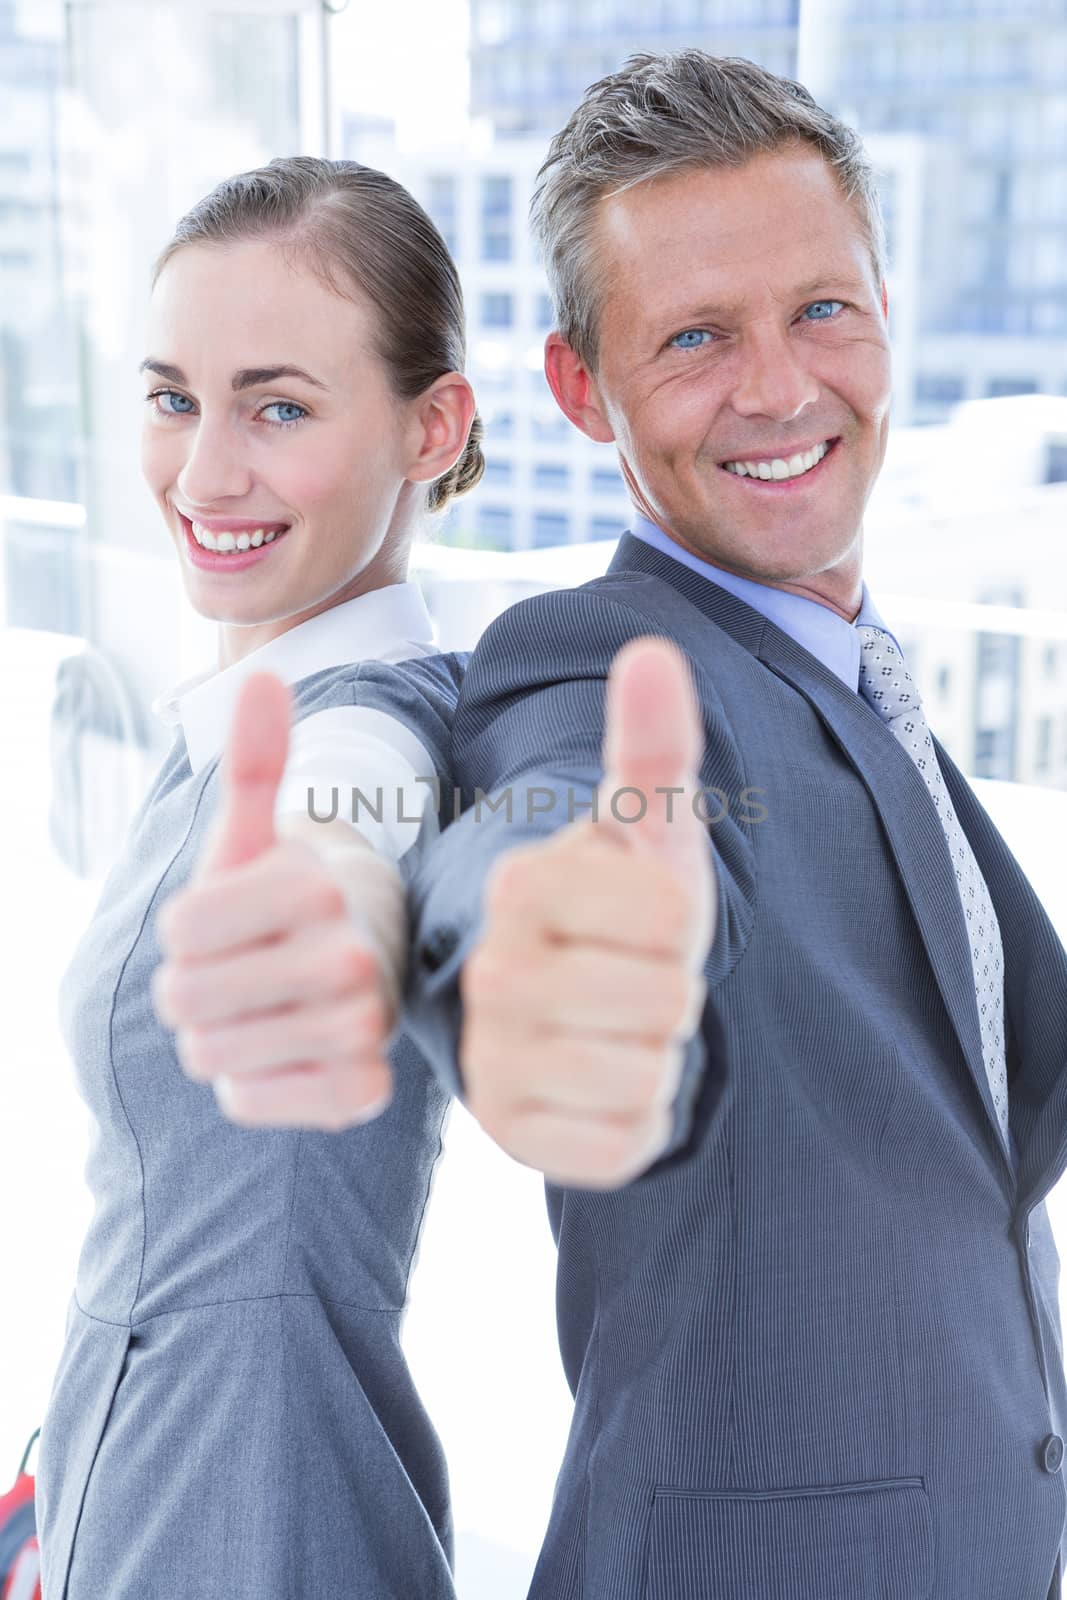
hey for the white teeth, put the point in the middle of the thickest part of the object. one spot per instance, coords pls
(227, 542)
(778, 469)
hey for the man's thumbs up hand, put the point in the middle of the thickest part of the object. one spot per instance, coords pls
(653, 745)
(587, 983)
(276, 996)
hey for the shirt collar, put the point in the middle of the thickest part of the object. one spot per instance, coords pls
(384, 624)
(823, 633)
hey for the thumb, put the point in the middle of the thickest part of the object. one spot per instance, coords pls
(653, 741)
(252, 767)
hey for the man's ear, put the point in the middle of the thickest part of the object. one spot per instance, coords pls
(575, 389)
(441, 426)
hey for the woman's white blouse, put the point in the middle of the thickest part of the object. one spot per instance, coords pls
(383, 777)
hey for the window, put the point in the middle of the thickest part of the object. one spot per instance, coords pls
(497, 474)
(1043, 744)
(606, 480)
(550, 527)
(606, 528)
(496, 198)
(497, 310)
(1006, 386)
(441, 204)
(496, 244)
(944, 681)
(941, 389)
(548, 429)
(551, 475)
(992, 753)
(1056, 462)
(496, 217)
(495, 526)
(546, 313)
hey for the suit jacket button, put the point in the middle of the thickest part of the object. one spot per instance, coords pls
(1052, 1453)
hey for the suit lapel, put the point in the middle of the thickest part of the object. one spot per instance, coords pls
(912, 827)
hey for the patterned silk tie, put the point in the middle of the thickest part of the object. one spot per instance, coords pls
(887, 685)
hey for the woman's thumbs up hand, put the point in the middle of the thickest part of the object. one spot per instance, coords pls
(276, 993)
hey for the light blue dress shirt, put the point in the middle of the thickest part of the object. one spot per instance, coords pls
(827, 636)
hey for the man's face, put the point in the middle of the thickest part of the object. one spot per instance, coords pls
(742, 324)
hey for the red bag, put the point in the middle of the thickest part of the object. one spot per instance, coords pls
(20, 1556)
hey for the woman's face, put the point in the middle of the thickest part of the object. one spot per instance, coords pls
(268, 409)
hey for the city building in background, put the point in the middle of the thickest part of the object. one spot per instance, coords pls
(983, 82)
(532, 62)
(39, 418)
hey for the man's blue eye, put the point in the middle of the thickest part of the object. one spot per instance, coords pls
(823, 310)
(691, 339)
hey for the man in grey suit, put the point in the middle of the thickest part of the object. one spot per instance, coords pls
(793, 1055)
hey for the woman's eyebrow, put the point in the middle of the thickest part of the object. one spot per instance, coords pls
(246, 378)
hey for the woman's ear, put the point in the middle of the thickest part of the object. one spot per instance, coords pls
(441, 427)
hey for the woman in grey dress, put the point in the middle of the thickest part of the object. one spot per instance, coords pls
(232, 1415)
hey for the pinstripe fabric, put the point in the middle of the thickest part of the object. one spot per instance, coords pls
(815, 1351)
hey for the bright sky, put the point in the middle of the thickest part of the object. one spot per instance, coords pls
(405, 61)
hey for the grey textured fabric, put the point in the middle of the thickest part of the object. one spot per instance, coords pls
(233, 1418)
(815, 1351)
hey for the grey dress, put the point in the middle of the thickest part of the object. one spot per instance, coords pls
(232, 1416)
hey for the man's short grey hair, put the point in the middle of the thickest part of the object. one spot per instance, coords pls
(664, 114)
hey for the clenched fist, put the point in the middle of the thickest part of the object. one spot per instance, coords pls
(587, 982)
(277, 997)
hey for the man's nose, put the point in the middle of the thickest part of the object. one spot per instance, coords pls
(214, 469)
(772, 379)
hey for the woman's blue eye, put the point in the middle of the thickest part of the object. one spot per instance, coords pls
(169, 394)
(691, 339)
(286, 405)
(823, 310)
(181, 406)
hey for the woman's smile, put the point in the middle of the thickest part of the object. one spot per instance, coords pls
(231, 546)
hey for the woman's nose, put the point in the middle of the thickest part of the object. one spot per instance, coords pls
(213, 470)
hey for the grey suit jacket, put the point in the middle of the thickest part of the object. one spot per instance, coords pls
(815, 1351)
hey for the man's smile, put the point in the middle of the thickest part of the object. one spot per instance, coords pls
(780, 469)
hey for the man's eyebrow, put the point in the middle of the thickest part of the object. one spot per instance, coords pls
(707, 311)
(246, 378)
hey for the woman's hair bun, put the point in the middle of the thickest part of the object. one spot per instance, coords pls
(466, 472)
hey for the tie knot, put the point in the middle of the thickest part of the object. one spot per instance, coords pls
(885, 682)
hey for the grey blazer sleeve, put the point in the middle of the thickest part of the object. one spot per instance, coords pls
(526, 754)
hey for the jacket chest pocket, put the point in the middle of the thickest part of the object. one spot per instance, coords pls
(864, 1541)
